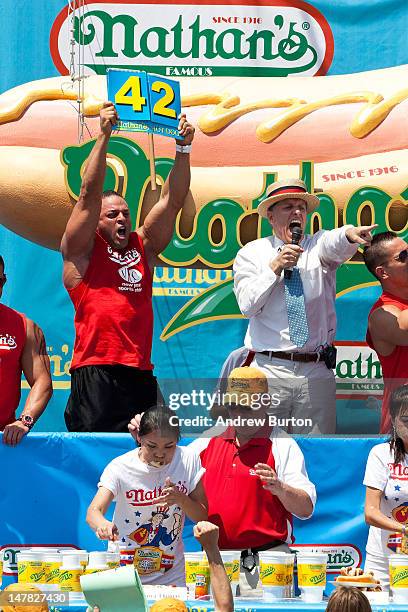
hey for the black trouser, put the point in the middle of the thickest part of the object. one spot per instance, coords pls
(106, 397)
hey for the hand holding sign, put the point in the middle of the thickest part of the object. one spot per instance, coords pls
(186, 131)
(108, 118)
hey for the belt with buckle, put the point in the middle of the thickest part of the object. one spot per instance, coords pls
(304, 357)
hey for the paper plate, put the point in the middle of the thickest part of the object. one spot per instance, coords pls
(363, 585)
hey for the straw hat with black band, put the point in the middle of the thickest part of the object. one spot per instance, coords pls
(287, 188)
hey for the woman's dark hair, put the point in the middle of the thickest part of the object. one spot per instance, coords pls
(348, 599)
(399, 400)
(160, 418)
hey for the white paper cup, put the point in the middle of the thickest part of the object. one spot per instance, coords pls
(232, 565)
(311, 569)
(398, 567)
(311, 594)
(236, 560)
(113, 559)
(31, 567)
(273, 572)
(83, 555)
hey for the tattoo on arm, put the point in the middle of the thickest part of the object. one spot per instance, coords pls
(41, 347)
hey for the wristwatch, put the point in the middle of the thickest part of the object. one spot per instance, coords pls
(26, 420)
(183, 148)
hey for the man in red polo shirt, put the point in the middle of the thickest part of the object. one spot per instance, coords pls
(255, 476)
(22, 349)
(387, 333)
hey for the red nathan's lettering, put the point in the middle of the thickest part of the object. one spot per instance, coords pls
(253, 20)
(397, 470)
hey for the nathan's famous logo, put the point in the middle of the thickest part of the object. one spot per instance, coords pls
(126, 261)
(7, 342)
(202, 249)
(398, 471)
(190, 39)
(338, 555)
(140, 497)
(400, 513)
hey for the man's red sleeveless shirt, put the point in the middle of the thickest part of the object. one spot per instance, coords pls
(113, 307)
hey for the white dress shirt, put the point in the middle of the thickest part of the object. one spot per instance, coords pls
(261, 293)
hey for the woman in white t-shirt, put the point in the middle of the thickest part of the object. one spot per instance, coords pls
(154, 487)
(386, 479)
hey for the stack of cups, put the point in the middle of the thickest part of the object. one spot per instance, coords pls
(197, 575)
(83, 555)
(398, 566)
(311, 569)
(290, 561)
(275, 570)
(31, 567)
(52, 565)
(97, 562)
(70, 572)
(113, 559)
(231, 560)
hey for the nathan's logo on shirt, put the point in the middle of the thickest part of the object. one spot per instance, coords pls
(398, 471)
(400, 513)
(126, 261)
(142, 497)
(7, 342)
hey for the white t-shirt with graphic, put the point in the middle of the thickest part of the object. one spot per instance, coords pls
(149, 532)
(392, 479)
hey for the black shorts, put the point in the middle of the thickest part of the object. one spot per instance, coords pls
(106, 397)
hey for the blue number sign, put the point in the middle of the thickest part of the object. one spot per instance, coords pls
(145, 102)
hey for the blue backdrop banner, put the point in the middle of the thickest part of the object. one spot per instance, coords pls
(49, 481)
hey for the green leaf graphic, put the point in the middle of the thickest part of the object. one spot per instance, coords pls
(217, 302)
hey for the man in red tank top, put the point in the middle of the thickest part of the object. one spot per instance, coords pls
(108, 275)
(387, 333)
(22, 349)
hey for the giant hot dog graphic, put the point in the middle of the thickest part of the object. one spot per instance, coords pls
(354, 128)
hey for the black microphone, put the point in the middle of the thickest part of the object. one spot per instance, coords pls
(296, 238)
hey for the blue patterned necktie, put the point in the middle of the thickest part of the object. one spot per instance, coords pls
(295, 304)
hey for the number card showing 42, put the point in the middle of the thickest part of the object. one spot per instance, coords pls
(145, 102)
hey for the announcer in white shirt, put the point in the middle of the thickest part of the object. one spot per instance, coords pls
(288, 291)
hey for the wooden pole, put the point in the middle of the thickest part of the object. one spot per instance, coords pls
(152, 163)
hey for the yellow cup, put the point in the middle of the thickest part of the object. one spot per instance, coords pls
(311, 568)
(52, 569)
(69, 580)
(312, 574)
(398, 567)
(273, 573)
(36, 572)
(197, 575)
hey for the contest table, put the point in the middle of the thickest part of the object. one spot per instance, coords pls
(253, 605)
